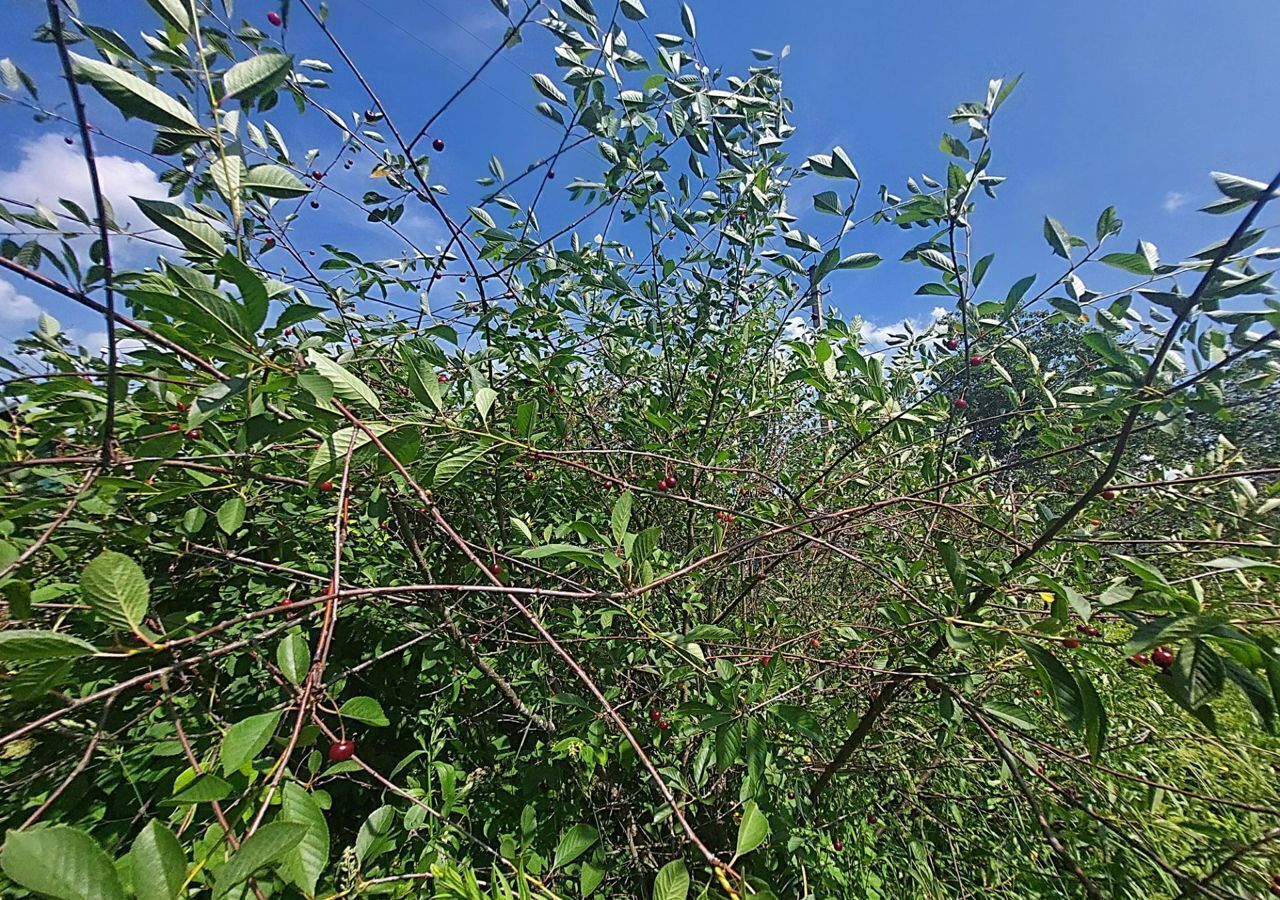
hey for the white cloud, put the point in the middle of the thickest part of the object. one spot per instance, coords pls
(49, 170)
(16, 309)
(1173, 200)
(796, 329)
(938, 312)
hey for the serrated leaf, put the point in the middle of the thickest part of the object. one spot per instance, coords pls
(191, 229)
(264, 847)
(131, 95)
(1198, 672)
(672, 882)
(345, 384)
(231, 515)
(293, 656)
(753, 829)
(256, 75)
(548, 88)
(366, 710)
(271, 180)
(620, 518)
(117, 589)
(159, 863)
(1058, 237)
(60, 862)
(245, 740)
(23, 645)
(305, 863)
(576, 841)
(452, 466)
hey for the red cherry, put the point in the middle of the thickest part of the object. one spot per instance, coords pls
(274, 18)
(1095, 522)
(495, 569)
(437, 145)
(662, 485)
(326, 485)
(871, 818)
(664, 725)
(1108, 495)
(952, 343)
(288, 332)
(268, 242)
(1162, 657)
(962, 403)
(551, 174)
(730, 518)
(315, 204)
(68, 141)
(815, 643)
(1076, 429)
(287, 601)
(1093, 631)
(174, 426)
(442, 378)
(475, 639)
(317, 175)
(766, 659)
(1071, 643)
(671, 481)
(342, 751)
(655, 714)
(837, 846)
(194, 434)
(1138, 660)
(183, 407)
(976, 360)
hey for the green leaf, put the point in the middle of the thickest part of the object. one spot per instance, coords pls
(191, 229)
(753, 829)
(859, 261)
(576, 841)
(159, 863)
(547, 88)
(827, 202)
(484, 400)
(116, 589)
(265, 846)
(633, 10)
(672, 882)
(366, 710)
(345, 385)
(1198, 672)
(293, 656)
(1009, 713)
(1129, 262)
(205, 788)
(1237, 187)
(175, 13)
(256, 75)
(1094, 715)
(231, 515)
(21, 645)
(452, 466)
(687, 20)
(245, 740)
(274, 181)
(60, 862)
(131, 95)
(620, 519)
(1058, 237)
(305, 863)
(1061, 684)
(334, 448)
(589, 878)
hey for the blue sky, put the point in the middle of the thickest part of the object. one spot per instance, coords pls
(1124, 103)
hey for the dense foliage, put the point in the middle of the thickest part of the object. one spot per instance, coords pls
(597, 557)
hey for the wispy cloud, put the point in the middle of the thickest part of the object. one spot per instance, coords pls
(16, 310)
(1173, 200)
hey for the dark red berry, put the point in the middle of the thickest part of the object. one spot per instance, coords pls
(437, 145)
(1138, 660)
(655, 714)
(274, 18)
(664, 725)
(317, 175)
(68, 141)
(326, 485)
(871, 818)
(342, 751)
(495, 569)
(475, 639)
(962, 403)
(952, 343)
(837, 846)
(1108, 495)
(815, 643)
(315, 204)
(1076, 429)
(194, 434)
(1162, 657)
(766, 659)
(976, 360)
(551, 173)
(1071, 643)
(174, 426)
(268, 241)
